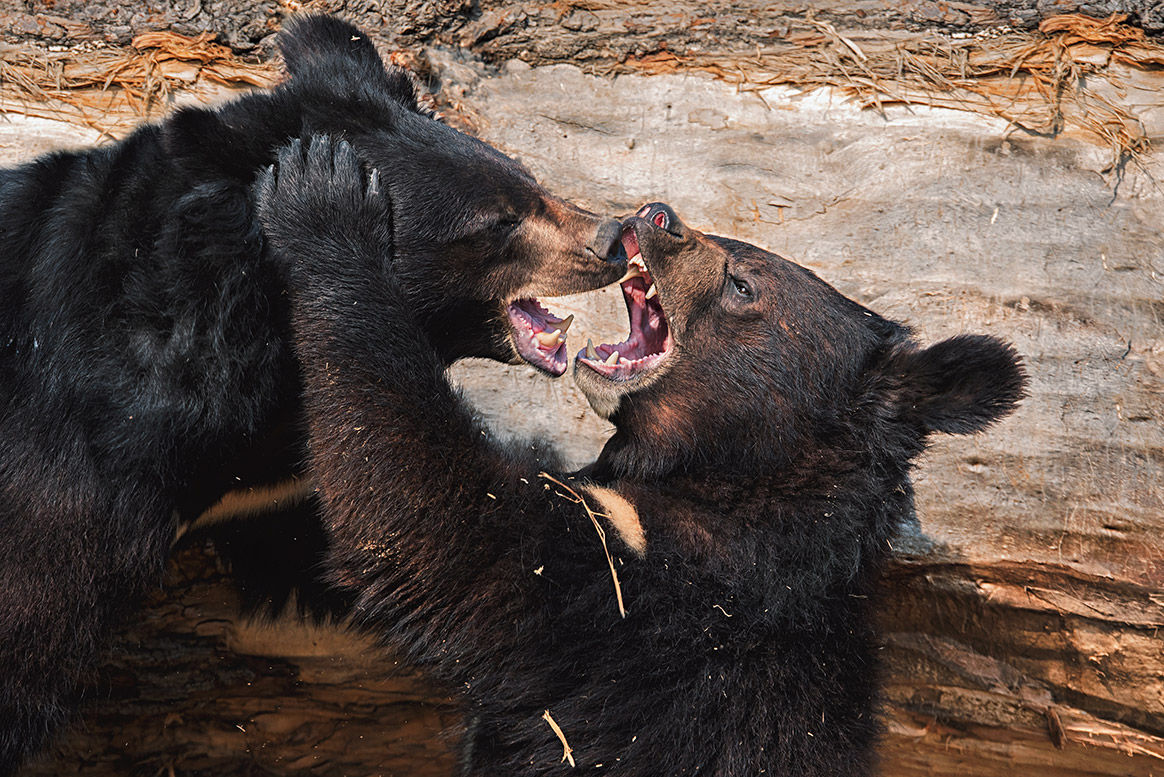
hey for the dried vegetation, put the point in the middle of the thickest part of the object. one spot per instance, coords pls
(1066, 77)
(1063, 78)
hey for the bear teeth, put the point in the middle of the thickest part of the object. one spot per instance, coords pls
(539, 335)
(632, 271)
(549, 339)
(635, 268)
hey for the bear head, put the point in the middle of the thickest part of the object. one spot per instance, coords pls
(499, 238)
(742, 362)
(475, 238)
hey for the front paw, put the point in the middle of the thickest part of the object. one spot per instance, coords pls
(317, 205)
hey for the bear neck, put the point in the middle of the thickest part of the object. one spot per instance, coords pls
(788, 552)
(652, 446)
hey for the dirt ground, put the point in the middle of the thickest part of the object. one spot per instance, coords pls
(1023, 613)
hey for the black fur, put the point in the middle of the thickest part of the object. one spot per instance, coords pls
(275, 562)
(144, 362)
(768, 460)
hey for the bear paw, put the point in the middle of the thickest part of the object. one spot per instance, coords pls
(318, 208)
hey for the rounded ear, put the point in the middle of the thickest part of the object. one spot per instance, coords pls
(333, 52)
(958, 386)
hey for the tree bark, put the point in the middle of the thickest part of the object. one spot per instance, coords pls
(542, 32)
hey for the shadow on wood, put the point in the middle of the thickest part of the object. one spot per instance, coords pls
(990, 670)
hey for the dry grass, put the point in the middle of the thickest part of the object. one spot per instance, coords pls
(111, 89)
(575, 497)
(567, 751)
(1040, 82)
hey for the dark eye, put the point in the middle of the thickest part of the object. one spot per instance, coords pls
(506, 223)
(741, 289)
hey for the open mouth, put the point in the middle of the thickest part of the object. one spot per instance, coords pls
(650, 338)
(539, 335)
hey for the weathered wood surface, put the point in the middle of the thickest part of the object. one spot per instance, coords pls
(1024, 614)
(975, 688)
(192, 689)
(1021, 619)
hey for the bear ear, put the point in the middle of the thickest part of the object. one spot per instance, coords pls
(958, 386)
(334, 52)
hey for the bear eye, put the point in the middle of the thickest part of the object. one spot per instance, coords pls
(741, 289)
(505, 223)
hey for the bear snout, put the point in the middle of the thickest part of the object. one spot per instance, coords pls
(607, 241)
(661, 215)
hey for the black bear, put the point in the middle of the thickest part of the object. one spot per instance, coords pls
(699, 600)
(145, 366)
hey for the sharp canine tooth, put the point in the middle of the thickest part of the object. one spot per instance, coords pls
(651, 292)
(590, 352)
(549, 339)
(612, 359)
(565, 323)
(632, 271)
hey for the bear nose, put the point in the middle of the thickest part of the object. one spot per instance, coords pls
(661, 215)
(607, 241)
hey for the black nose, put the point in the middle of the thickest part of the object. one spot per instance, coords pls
(607, 242)
(661, 215)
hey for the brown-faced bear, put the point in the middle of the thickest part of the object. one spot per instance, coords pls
(145, 368)
(699, 601)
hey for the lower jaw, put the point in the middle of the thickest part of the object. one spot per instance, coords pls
(556, 371)
(629, 372)
(547, 365)
(554, 360)
(603, 394)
